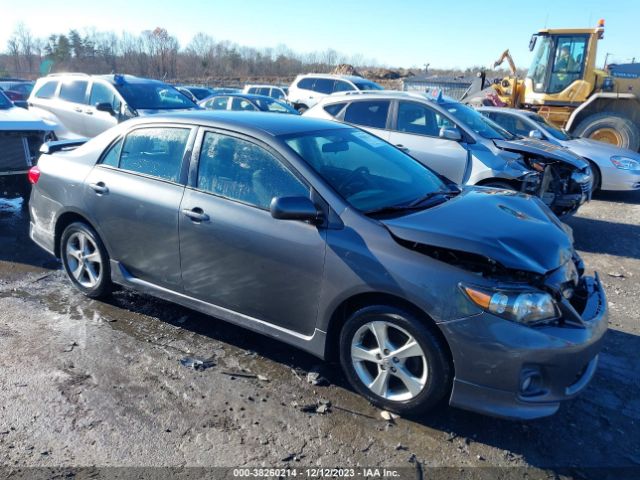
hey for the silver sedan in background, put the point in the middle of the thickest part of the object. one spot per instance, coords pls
(614, 168)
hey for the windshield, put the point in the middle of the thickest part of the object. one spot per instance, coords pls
(270, 105)
(477, 122)
(549, 127)
(367, 172)
(367, 85)
(153, 96)
(4, 101)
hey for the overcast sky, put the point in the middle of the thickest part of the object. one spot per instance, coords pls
(404, 33)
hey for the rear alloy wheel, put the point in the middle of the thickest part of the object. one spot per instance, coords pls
(394, 360)
(610, 128)
(85, 260)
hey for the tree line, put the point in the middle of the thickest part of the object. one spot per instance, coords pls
(157, 54)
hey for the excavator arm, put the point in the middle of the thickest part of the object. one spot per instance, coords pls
(506, 55)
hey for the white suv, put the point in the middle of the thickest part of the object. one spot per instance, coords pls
(87, 105)
(307, 90)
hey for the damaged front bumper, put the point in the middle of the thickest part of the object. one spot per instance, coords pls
(510, 370)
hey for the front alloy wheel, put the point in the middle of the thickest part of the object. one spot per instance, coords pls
(389, 361)
(395, 359)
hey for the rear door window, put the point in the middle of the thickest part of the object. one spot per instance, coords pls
(157, 151)
(368, 114)
(74, 91)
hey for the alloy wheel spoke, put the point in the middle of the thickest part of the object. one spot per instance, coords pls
(358, 353)
(93, 257)
(73, 252)
(91, 273)
(77, 272)
(379, 330)
(82, 240)
(409, 349)
(414, 384)
(380, 384)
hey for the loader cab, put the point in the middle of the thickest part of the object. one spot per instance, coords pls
(559, 60)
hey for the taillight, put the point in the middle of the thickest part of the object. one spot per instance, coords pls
(33, 175)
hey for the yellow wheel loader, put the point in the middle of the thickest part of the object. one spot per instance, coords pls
(564, 86)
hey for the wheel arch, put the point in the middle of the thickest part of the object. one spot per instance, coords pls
(63, 221)
(361, 300)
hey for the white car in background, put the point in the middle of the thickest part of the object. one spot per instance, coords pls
(307, 90)
(273, 91)
(614, 168)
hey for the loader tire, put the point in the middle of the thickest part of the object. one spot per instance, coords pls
(611, 128)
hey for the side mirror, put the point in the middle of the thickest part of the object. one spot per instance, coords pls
(295, 208)
(21, 104)
(450, 133)
(105, 107)
(537, 134)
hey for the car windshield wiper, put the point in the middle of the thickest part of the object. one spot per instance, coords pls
(416, 204)
(430, 195)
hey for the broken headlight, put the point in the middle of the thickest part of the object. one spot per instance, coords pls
(523, 306)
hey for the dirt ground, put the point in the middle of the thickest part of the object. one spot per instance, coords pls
(102, 384)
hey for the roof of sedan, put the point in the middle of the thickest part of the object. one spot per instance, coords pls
(274, 124)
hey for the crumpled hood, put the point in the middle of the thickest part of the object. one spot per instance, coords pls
(15, 118)
(544, 149)
(516, 230)
(594, 150)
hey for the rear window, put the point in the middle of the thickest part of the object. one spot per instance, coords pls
(47, 90)
(368, 114)
(73, 91)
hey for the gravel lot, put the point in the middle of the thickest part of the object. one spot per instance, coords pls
(94, 384)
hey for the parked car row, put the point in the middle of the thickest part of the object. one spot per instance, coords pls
(383, 229)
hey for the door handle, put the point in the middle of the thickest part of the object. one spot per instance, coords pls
(100, 188)
(77, 109)
(196, 214)
(89, 112)
(402, 147)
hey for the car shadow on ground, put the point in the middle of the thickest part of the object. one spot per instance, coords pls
(620, 239)
(630, 197)
(568, 443)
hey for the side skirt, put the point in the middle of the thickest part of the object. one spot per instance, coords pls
(314, 344)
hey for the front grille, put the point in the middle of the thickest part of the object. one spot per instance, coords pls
(14, 153)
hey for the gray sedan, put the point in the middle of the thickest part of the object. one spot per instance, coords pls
(614, 168)
(326, 237)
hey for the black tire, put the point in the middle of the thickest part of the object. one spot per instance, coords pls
(628, 131)
(103, 286)
(597, 177)
(439, 368)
